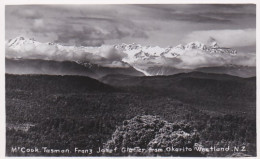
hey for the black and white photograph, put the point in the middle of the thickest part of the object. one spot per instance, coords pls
(130, 80)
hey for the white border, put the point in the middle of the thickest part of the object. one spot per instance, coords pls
(15, 2)
(68, 2)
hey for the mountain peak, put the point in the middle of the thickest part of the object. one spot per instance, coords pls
(195, 45)
(14, 41)
(20, 41)
(20, 38)
(214, 44)
(180, 46)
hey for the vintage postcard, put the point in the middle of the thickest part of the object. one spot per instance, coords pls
(130, 80)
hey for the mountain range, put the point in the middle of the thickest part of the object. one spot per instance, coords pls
(28, 56)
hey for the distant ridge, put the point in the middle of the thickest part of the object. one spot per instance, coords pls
(51, 67)
(55, 83)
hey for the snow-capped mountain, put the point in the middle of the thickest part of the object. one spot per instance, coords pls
(154, 60)
(22, 44)
(137, 51)
(149, 60)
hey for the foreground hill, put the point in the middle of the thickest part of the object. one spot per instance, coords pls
(151, 133)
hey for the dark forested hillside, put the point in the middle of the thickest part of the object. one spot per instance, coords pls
(216, 91)
(54, 84)
(64, 112)
(241, 71)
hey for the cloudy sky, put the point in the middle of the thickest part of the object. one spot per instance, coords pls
(163, 25)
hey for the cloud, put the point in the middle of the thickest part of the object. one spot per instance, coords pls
(108, 56)
(226, 38)
(198, 17)
(94, 34)
(117, 64)
(248, 59)
(105, 55)
(38, 23)
(109, 52)
(75, 25)
(198, 13)
(193, 59)
(147, 24)
(27, 13)
(196, 59)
